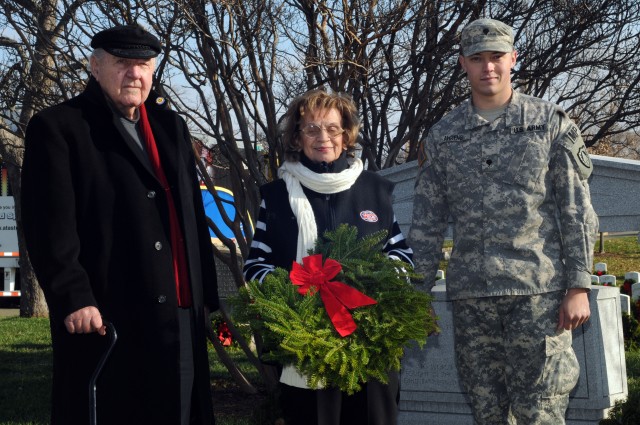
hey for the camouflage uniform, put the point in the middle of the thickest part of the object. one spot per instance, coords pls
(524, 228)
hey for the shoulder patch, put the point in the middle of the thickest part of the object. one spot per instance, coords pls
(584, 160)
(571, 139)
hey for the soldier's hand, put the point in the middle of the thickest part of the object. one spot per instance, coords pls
(574, 310)
(84, 321)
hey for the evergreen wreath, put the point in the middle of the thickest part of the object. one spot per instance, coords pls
(297, 330)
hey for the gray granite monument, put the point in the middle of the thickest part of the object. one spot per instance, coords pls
(430, 390)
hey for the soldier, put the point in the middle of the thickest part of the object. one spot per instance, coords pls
(511, 171)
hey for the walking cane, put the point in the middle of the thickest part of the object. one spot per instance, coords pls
(113, 337)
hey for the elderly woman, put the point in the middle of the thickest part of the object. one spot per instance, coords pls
(322, 185)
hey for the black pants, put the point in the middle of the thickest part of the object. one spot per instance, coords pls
(375, 404)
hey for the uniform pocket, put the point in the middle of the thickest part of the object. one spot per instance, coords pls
(526, 169)
(561, 370)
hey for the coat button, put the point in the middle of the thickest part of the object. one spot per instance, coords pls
(158, 246)
(162, 299)
(151, 194)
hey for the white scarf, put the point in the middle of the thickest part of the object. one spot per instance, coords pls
(296, 175)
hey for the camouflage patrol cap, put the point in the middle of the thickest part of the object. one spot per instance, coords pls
(486, 35)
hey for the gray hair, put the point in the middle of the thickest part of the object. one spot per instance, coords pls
(98, 54)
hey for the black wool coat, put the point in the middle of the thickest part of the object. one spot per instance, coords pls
(97, 229)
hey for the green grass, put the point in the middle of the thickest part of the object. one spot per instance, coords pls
(621, 255)
(25, 376)
(25, 367)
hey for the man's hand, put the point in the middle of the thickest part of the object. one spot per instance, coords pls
(574, 310)
(84, 321)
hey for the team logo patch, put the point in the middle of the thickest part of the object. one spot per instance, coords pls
(369, 216)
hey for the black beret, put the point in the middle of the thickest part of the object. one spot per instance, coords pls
(127, 41)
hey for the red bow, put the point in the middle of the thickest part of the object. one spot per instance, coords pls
(336, 296)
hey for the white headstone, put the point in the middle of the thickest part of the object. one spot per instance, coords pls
(635, 291)
(601, 267)
(440, 274)
(441, 282)
(608, 280)
(625, 303)
(595, 279)
(632, 275)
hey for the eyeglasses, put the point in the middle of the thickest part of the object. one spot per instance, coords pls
(313, 131)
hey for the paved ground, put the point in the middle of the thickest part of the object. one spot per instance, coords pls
(6, 312)
(9, 307)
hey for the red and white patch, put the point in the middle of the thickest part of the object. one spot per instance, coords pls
(369, 216)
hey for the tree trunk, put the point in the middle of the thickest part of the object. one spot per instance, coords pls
(32, 302)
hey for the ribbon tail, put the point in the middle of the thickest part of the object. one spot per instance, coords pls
(338, 313)
(349, 296)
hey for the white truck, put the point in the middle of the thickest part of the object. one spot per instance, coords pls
(9, 252)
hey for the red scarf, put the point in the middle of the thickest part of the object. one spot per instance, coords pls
(183, 290)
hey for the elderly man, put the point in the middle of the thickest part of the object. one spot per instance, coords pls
(511, 170)
(115, 229)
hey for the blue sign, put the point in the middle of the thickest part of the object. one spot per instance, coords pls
(212, 211)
